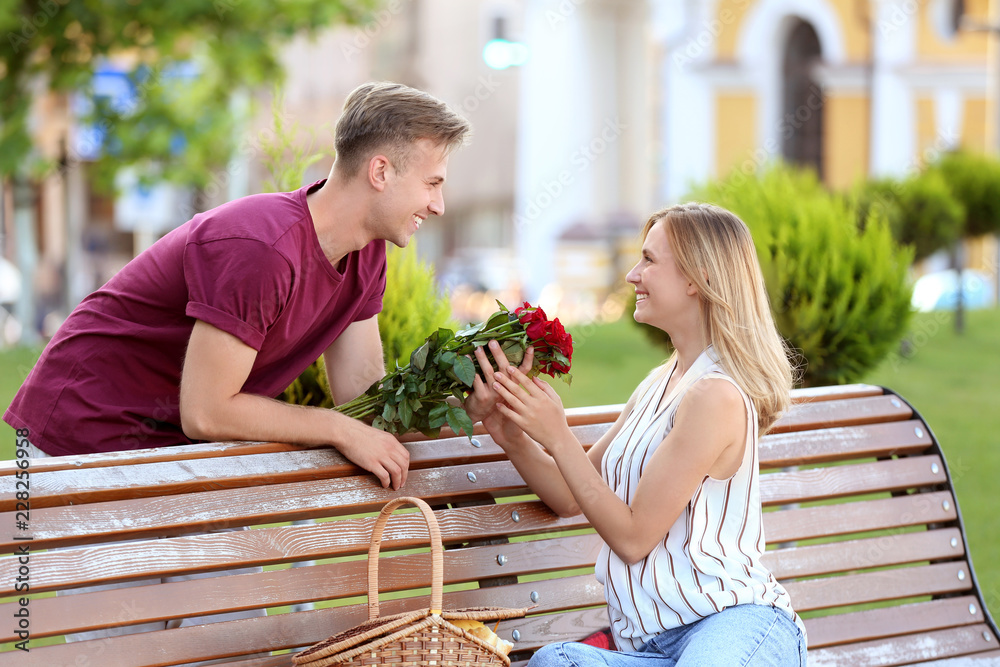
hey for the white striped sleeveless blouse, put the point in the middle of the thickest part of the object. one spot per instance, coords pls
(710, 558)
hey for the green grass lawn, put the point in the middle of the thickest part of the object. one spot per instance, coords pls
(14, 366)
(609, 362)
(953, 381)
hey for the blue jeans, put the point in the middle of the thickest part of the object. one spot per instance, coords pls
(749, 635)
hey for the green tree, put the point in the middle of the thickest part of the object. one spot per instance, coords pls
(974, 181)
(920, 210)
(184, 59)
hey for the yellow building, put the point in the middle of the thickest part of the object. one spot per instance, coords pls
(851, 89)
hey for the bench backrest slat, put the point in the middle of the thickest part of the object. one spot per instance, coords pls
(577, 416)
(900, 438)
(908, 649)
(886, 622)
(154, 479)
(812, 484)
(895, 548)
(879, 585)
(855, 517)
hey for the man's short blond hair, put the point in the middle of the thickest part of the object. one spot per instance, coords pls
(390, 118)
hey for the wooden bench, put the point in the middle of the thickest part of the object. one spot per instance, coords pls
(861, 522)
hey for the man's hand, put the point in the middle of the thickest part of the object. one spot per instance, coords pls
(482, 401)
(376, 451)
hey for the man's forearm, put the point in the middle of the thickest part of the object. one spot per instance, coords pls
(252, 417)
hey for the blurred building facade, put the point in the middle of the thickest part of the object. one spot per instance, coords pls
(603, 111)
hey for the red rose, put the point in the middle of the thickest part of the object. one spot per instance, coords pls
(559, 341)
(553, 345)
(533, 320)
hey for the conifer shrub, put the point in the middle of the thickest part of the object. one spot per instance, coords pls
(839, 292)
(413, 307)
(920, 210)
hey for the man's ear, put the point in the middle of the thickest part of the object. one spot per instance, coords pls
(378, 172)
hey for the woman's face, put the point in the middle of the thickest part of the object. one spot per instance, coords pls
(662, 292)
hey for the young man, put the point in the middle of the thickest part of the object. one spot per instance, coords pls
(194, 339)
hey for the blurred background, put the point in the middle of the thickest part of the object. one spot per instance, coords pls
(122, 120)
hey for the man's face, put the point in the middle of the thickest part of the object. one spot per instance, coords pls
(415, 194)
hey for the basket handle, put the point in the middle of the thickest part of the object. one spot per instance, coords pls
(437, 551)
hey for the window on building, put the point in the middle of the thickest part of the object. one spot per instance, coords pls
(802, 103)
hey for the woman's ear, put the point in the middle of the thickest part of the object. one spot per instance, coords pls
(692, 289)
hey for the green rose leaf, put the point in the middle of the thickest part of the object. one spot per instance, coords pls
(465, 370)
(458, 420)
(419, 357)
(514, 351)
(438, 415)
(443, 336)
(471, 331)
(405, 414)
(498, 319)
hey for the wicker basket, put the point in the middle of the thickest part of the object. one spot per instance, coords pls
(422, 637)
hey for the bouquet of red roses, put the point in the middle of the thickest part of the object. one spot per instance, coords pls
(415, 396)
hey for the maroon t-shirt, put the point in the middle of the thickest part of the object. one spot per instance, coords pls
(110, 378)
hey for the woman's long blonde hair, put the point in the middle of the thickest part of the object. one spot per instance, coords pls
(713, 249)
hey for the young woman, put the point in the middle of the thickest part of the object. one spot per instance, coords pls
(672, 487)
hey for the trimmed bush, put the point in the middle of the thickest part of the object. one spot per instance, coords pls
(839, 293)
(413, 307)
(974, 180)
(311, 387)
(920, 210)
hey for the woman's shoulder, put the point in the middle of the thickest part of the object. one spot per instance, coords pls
(713, 396)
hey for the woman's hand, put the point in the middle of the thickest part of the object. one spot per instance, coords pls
(534, 406)
(503, 430)
(481, 403)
